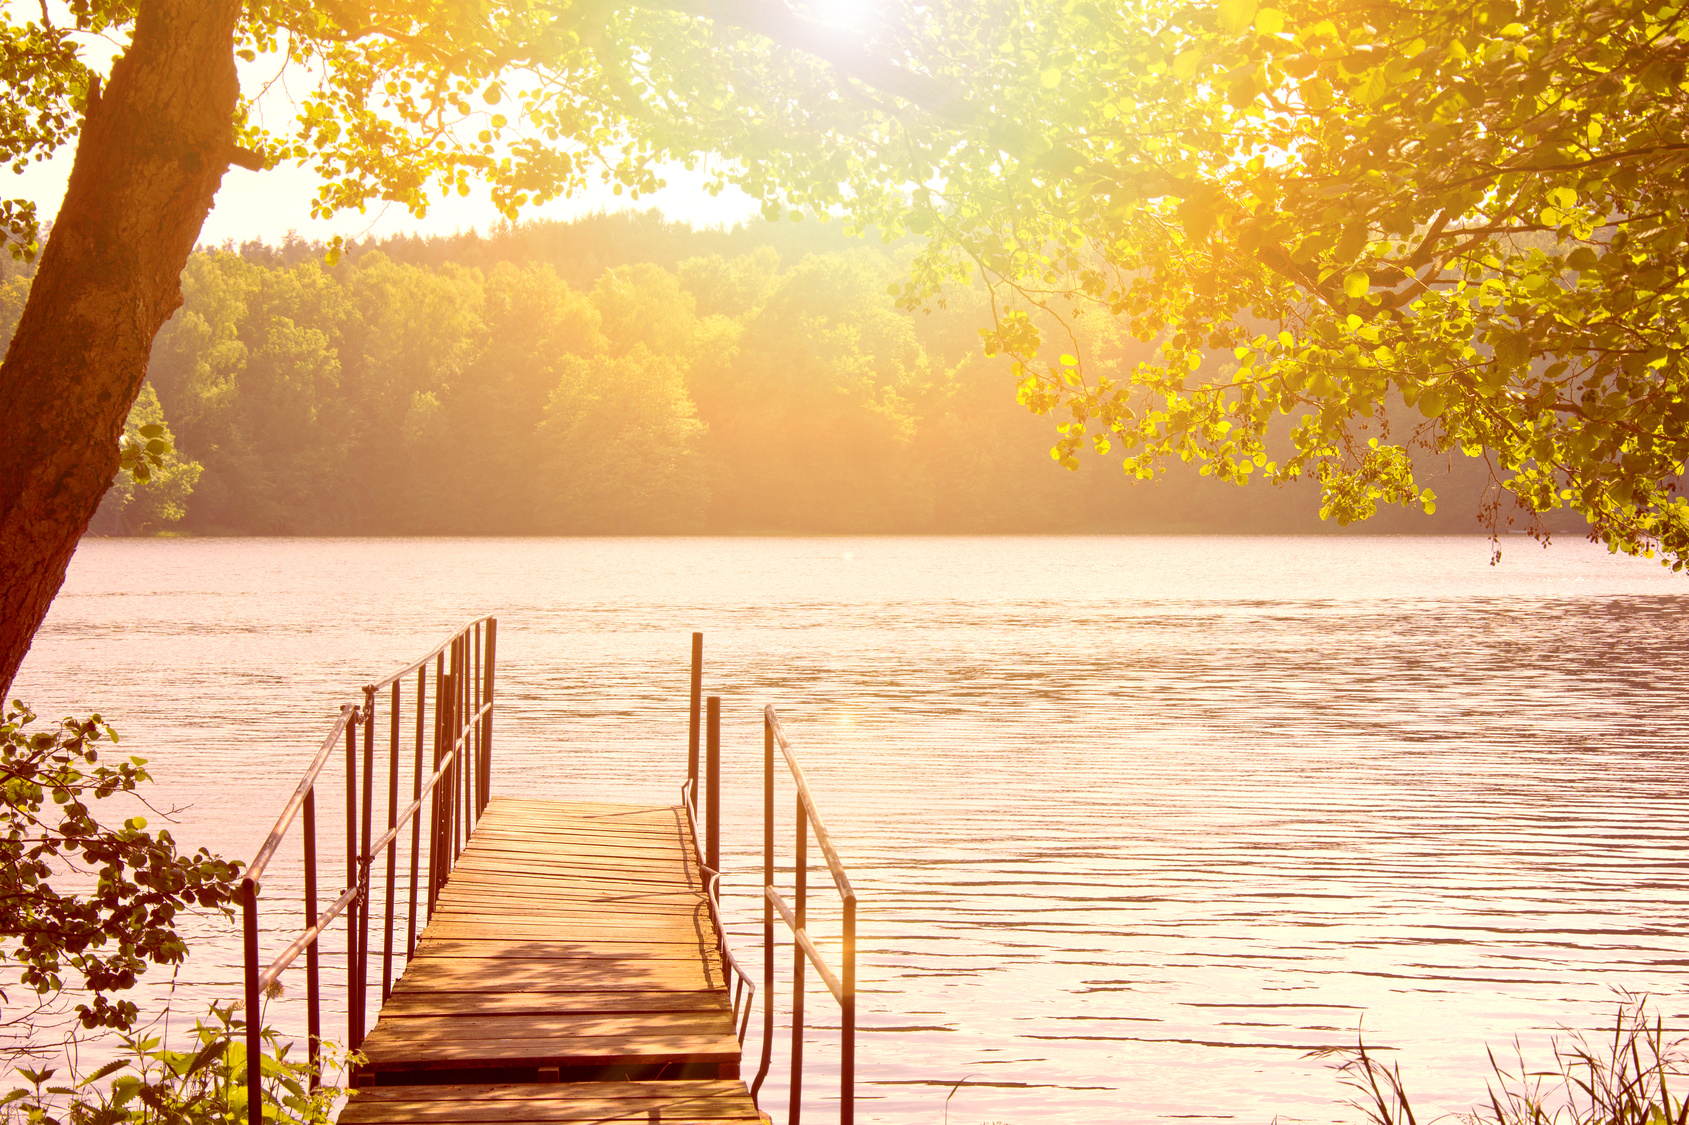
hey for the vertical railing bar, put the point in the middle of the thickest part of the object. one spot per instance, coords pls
(458, 772)
(692, 724)
(801, 872)
(313, 1009)
(767, 906)
(436, 797)
(461, 729)
(847, 1045)
(712, 825)
(254, 1003)
(474, 691)
(454, 780)
(351, 874)
(487, 697)
(365, 898)
(416, 821)
(392, 849)
(448, 816)
(444, 706)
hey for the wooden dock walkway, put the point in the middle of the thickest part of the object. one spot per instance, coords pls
(570, 966)
(571, 942)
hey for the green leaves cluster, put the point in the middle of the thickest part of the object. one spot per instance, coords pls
(1447, 228)
(154, 481)
(150, 1083)
(99, 938)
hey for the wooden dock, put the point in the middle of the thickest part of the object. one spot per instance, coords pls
(570, 965)
(572, 939)
(572, 943)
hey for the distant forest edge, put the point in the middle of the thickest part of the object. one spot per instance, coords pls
(620, 374)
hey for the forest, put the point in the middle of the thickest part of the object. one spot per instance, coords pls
(624, 374)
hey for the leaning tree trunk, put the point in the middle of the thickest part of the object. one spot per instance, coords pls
(151, 155)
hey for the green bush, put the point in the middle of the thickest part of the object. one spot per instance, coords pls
(150, 1083)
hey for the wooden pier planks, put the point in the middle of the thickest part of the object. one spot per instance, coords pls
(633, 1103)
(572, 940)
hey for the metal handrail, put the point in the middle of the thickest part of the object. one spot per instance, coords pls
(834, 864)
(255, 870)
(843, 984)
(291, 953)
(416, 665)
(458, 787)
(742, 982)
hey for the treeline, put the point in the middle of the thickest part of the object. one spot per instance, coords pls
(619, 374)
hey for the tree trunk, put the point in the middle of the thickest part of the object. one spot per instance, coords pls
(149, 160)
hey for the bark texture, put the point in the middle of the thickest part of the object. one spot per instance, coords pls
(151, 155)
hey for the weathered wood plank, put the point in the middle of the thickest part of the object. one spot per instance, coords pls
(456, 1053)
(670, 1102)
(431, 1003)
(591, 974)
(529, 1025)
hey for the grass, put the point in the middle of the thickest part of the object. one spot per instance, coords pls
(1631, 1075)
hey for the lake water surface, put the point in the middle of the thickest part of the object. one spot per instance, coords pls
(1136, 822)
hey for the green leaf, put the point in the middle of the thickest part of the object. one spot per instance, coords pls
(1236, 15)
(1356, 283)
(1051, 78)
(1269, 21)
(151, 430)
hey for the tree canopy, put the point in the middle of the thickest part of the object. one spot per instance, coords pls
(395, 101)
(1475, 211)
(1323, 215)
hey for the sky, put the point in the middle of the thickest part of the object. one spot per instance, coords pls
(266, 205)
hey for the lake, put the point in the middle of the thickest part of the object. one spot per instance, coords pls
(1137, 822)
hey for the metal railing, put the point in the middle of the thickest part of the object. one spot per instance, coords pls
(457, 735)
(843, 984)
(706, 845)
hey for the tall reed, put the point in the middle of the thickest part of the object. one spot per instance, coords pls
(1630, 1076)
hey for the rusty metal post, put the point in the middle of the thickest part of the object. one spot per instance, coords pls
(416, 821)
(692, 724)
(254, 1003)
(365, 899)
(712, 829)
(847, 1018)
(767, 905)
(313, 993)
(487, 698)
(392, 849)
(800, 910)
(436, 799)
(351, 872)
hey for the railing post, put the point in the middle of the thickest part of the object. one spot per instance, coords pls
(460, 771)
(487, 723)
(801, 872)
(436, 798)
(365, 899)
(254, 1004)
(767, 905)
(392, 846)
(692, 725)
(847, 1019)
(416, 794)
(313, 994)
(351, 873)
(712, 830)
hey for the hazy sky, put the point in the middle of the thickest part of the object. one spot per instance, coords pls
(268, 204)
